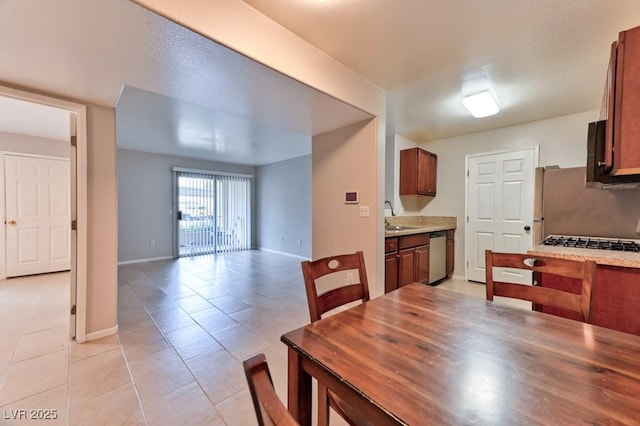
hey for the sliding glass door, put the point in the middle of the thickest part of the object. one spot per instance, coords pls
(213, 212)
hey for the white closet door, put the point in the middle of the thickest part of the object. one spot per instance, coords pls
(500, 210)
(37, 215)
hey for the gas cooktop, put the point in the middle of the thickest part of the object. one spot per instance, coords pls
(592, 243)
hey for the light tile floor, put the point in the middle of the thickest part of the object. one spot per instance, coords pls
(185, 326)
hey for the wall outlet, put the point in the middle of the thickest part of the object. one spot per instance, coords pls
(349, 277)
(364, 211)
(152, 243)
(299, 241)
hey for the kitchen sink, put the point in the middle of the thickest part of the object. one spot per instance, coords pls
(398, 227)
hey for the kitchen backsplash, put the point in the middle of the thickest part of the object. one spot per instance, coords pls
(422, 221)
(572, 209)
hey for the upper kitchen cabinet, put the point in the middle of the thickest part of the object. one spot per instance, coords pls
(622, 106)
(418, 172)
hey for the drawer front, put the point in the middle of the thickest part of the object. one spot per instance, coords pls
(413, 240)
(391, 245)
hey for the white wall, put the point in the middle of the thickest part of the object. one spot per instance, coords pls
(562, 141)
(283, 206)
(145, 201)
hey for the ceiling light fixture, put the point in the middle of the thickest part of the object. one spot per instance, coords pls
(481, 104)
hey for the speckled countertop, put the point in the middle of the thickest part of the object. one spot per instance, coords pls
(420, 224)
(601, 257)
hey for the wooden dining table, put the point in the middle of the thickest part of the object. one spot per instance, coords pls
(421, 355)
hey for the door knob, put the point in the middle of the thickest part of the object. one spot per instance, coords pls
(10, 222)
(527, 228)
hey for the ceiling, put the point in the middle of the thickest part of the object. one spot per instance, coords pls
(540, 58)
(178, 93)
(175, 91)
(17, 116)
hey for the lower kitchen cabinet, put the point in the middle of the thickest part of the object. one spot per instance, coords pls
(615, 297)
(406, 260)
(391, 272)
(451, 252)
(390, 264)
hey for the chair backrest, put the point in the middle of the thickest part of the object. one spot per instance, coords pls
(269, 409)
(585, 271)
(319, 304)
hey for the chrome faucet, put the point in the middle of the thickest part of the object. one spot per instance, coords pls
(390, 205)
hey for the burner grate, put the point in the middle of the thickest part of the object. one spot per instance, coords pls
(592, 243)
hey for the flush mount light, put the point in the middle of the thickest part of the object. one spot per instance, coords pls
(481, 104)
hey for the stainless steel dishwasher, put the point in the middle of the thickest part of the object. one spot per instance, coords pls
(437, 256)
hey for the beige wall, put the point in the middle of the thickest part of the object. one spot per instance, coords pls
(562, 141)
(246, 31)
(335, 172)
(102, 227)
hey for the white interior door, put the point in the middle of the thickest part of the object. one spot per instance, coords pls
(37, 219)
(499, 210)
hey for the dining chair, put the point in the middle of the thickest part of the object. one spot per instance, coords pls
(269, 409)
(328, 300)
(585, 271)
(335, 297)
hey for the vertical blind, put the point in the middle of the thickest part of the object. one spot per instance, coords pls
(214, 213)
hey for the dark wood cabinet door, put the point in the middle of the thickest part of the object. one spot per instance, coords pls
(609, 95)
(406, 267)
(418, 172)
(451, 252)
(390, 272)
(432, 172)
(422, 178)
(421, 259)
(626, 105)
(408, 171)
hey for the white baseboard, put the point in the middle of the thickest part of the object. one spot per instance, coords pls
(100, 334)
(152, 259)
(283, 253)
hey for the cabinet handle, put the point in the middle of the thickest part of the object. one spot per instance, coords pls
(10, 222)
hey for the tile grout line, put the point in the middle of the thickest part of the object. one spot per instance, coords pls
(126, 363)
(213, 404)
(164, 336)
(133, 382)
(172, 346)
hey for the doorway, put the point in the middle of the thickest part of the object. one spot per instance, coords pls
(499, 209)
(213, 212)
(76, 121)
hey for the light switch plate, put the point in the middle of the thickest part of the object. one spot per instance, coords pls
(364, 211)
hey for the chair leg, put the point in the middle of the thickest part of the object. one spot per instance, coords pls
(323, 405)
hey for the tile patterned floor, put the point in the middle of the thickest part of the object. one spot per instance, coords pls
(185, 326)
